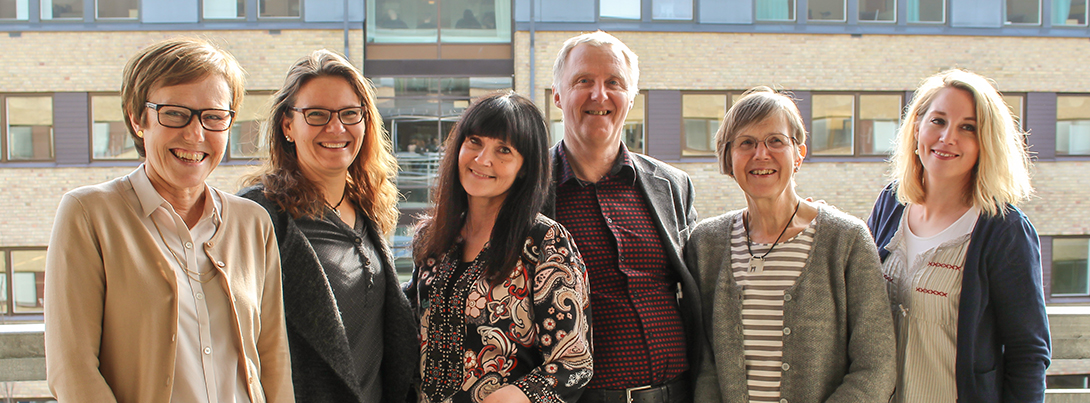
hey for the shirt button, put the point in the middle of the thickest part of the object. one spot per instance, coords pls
(609, 220)
(200, 295)
(220, 263)
(787, 297)
(786, 331)
(208, 350)
(785, 366)
(250, 380)
(208, 244)
(189, 245)
(173, 338)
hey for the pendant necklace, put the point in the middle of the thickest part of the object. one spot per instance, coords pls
(757, 263)
(334, 208)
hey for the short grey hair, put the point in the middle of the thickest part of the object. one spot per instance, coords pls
(600, 39)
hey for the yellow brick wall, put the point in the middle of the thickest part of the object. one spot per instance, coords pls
(92, 61)
(698, 61)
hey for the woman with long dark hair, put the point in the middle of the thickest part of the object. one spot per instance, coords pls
(500, 290)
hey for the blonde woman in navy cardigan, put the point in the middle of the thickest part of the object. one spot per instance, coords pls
(962, 263)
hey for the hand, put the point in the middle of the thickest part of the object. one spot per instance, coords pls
(507, 394)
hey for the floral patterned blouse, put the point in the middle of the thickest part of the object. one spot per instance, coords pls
(533, 330)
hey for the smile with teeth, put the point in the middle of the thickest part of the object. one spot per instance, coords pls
(599, 113)
(944, 154)
(341, 144)
(190, 156)
(763, 171)
(480, 175)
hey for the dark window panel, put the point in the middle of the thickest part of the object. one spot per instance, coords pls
(1041, 123)
(664, 124)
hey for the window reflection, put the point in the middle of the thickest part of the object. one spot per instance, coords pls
(28, 280)
(1069, 12)
(109, 137)
(431, 21)
(30, 128)
(1072, 125)
(62, 9)
(832, 129)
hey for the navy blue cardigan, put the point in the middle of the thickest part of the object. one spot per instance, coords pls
(1003, 343)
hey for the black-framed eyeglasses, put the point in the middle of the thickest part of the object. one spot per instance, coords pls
(321, 116)
(177, 116)
(775, 142)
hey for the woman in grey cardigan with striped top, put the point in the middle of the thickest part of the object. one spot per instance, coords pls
(801, 316)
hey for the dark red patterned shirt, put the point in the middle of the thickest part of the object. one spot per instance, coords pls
(638, 333)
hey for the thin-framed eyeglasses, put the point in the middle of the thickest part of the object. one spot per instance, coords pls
(321, 116)
(774, 142)
(177, 116)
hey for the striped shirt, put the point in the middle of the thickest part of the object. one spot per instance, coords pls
(762, 304)
(924, 283)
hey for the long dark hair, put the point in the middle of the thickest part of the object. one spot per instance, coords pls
(370, 186)
(515, 120)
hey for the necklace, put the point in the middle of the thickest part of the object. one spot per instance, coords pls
(195, 275)
(334, 208)
(757, 263)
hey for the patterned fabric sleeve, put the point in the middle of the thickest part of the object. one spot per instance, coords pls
(561, 312)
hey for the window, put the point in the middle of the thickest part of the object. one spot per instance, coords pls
(117, 9)
(419, 112)
(62, 9)
(701, 115)
(22, 277)
(619, 9)
(775, 10)
(878, 10)
(1069, 13)
(401, 249)
(1078, 381)
(14, 10)
(826, 10)
(679, 10)
(634, 123)
(847, 124)
(927, 11)
(279, 8)
(223, 9)
(431, 21)
(1017, 104)
(110, 139)
(246, 140)
(1069, 266)
(1023, 12)
(27, 128)
(1072, 125)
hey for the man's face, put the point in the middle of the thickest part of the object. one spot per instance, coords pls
(593, 94)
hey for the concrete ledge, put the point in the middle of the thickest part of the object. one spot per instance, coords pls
(22, 369)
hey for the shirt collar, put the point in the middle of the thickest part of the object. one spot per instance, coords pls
(150, 199)
(622, 167)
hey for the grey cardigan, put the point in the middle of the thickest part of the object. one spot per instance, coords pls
(841, 346)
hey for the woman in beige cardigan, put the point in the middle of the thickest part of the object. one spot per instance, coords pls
(159, 287)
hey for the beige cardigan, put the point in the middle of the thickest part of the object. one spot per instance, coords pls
(111, 305)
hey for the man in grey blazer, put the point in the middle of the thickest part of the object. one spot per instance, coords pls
(630, 216)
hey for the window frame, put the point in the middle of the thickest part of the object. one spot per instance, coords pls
(302, 10)
(91, 129)
(5, 145)
(1085, 17)
(1052, 297)
(9, 287)
(896, 15)
(844, 10)
(1040, 16)
(793, 20)
(16, 19)
(943, 21)
(80, 18)
(1056, 119)
(139, 14)
(857, 135)
(687, 152)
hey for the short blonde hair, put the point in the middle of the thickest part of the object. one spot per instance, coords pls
(174, 62)
(756, 105)
(600, 39)
(1001, 175)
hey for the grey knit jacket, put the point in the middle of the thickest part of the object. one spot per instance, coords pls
(841, 345)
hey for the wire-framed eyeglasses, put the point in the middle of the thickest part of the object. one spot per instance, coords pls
(774, 142)
(321, 116)
(177, 116)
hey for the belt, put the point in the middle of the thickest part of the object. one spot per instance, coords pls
(676, 390)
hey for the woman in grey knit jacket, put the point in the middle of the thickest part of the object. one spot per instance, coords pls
(799, 309)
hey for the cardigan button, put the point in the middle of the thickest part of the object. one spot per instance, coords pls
(785, 366)
(783, 400)
(786, 331)
(787, 297)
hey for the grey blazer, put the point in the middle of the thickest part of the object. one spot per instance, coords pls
(669, 193)
(841, 347)
(321, 361)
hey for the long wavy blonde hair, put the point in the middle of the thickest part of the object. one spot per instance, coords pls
(1001, 175)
